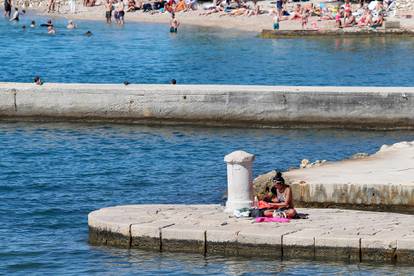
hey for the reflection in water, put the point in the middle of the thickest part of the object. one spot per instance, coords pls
(153, 263)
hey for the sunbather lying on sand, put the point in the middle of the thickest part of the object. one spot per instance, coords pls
(212, 10)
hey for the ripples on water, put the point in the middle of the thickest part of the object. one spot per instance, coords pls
(147, 53)
(53, 175)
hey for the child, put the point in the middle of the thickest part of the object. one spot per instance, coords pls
(276, 22)
(174, 24)
(305, 17)
(338, 17)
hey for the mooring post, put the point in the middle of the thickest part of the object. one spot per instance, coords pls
(239, 180)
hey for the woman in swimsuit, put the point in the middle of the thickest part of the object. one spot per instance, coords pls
(282, 200)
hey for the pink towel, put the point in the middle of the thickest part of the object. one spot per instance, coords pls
(265, 219)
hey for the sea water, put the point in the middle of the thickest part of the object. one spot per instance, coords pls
(148, 53)
(53, 174)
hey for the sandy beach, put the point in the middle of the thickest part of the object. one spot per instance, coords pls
(255, 23)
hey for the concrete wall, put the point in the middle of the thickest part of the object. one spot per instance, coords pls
(375, 107)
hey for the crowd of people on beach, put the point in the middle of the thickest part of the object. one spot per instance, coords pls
(346, 15)
(369, 14)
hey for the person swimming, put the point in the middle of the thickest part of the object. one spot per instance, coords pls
(51, 30)
(47, 24)
(88, 33)
(71, 25)
(33, 24)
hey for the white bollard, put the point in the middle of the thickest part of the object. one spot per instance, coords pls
(239, 180)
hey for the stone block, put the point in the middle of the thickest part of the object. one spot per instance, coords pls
(108, 224)
(337, 248)
(221, 241)
(298, 245)
(146, 236)
(378, 250)
(7, 103)
(392, 24)
(183, 239)
(405, 251)
(99, 236)
(259, 244)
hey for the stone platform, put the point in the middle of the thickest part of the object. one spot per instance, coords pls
(328, 234)
(383, 181)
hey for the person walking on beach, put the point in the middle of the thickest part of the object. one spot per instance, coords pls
(72, 6)
(51, 6)
(7, 8)
(108, 11)
(279, 7)
(276, 22)
(174, 24)
(121, 13)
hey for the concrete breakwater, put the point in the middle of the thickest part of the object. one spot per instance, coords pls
(328, 234)
(383, 181)
(268, 106)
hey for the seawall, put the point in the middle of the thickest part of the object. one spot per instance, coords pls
(261, 106)
(328, 234)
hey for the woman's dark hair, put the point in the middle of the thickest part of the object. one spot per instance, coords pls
(278, 177)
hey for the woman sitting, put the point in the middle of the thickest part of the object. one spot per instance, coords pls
(281, 200)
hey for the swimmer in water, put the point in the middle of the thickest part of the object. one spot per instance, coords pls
(88, 33)
(33, 24)
(51, 30)
(48, 24)
(71, 25)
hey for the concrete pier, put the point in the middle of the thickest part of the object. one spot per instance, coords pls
(328, 234)
(255, 106)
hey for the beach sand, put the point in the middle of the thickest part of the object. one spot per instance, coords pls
(241, 23)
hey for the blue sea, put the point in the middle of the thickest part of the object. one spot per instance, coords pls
(53, 174)
(148, 53)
